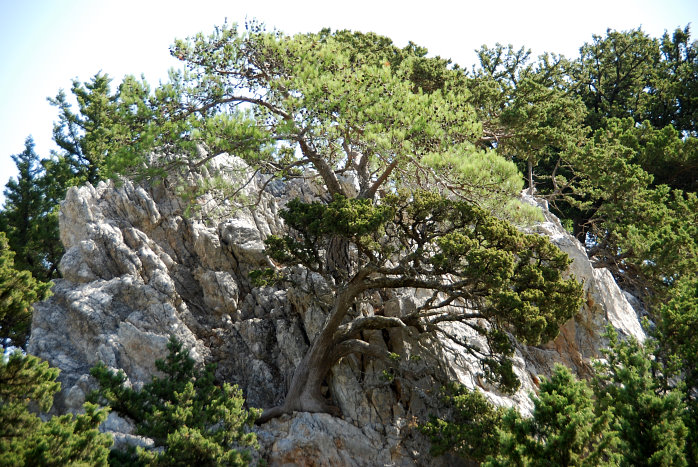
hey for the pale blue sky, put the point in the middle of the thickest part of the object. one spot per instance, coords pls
(45, 44)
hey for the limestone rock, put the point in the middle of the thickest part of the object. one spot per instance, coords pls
(306, 439)
(138, 270)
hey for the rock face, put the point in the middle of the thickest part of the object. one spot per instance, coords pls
(137, 270)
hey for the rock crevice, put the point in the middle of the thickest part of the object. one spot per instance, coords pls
(137, 270)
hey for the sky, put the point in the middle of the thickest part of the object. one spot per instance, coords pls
(48, 43)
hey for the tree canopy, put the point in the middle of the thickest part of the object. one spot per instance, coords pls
(417, 164)
(18, 292)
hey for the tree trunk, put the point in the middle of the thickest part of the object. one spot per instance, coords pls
(530, 177)
(337, 259)
(305, 394)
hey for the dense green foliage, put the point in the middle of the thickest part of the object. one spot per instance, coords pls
(481, 266)
(194, 420)
(647, 416)
(610, 139)
(85, 137)
(27, 384)
(625, 417)
(18, 292)
(677, 349)
(469, 430)
(564, 428)
(29, 216)
(418, 164)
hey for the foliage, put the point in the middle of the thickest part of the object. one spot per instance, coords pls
(678, 350)
(627, 417)
(641, 213)
(647, 417)
(185, 412)
(526, 111)
(613, 72)
(565, 428)
(676, 92)
(475, 266)
(626, 183)
(344, 103)
(25, 382)
(18, 292)
(635, 227)
(468, 430)
(29, 217)
(86, 137)
(629, 74)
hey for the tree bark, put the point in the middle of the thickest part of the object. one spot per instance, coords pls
(305, 393)
(337, 260)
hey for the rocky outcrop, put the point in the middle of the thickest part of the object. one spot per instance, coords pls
(137, 270)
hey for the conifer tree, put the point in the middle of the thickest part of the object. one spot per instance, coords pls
(526, 111)
(18, 292)
(86, 137)
(30, 219)
(613, 73)
(675, 92)
(677, 348)
(193, 419)
(339, 108)
(469, 430)
(565, 429)
(649, 418)
(632, 226)
(27, 440)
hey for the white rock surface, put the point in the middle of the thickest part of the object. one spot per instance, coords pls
(137, 270)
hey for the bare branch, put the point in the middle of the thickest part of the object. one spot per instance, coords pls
(384, 176)
(362, 324)
(323, 168)
(358, 346)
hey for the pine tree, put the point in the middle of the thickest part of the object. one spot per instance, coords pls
(86, 137)
(185, 412)
(676, 91)
(647, 416)
(631, 225)
(564, 429)
(30, 219)
(27, 440)
(469, 429)
(18, 292)
(613, 73)
(526, 112)
(677, 345)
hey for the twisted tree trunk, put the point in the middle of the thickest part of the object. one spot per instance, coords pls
(304, 393)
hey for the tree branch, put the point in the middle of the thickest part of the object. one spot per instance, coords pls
(358, 325)
(358, 346)
(323, 168)
(384, 176)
